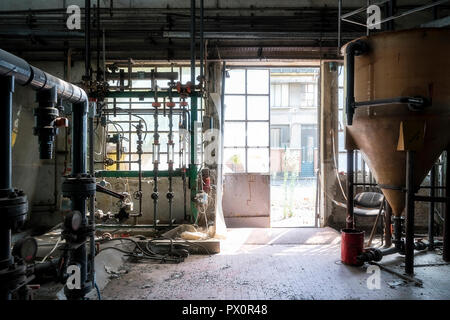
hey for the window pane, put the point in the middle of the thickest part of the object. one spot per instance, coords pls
(236, 82)
(234, 107)
(234, 134)
(257, 107)
(185, 74)
(258, 81)
(145, 103)
(234, 160)
(164, 83)
(258, 160)
(258, 134)
(275, 137)
(285, 95)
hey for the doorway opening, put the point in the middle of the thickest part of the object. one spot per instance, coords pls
(294, 101)
(271, 146)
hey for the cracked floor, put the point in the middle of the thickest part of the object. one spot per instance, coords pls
(278, 263)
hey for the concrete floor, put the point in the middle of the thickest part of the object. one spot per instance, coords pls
(291, 263)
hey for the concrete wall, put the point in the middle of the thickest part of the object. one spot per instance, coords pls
(107, 203)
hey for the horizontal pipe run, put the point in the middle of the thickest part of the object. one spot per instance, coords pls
(144, 76)
(28, 75)
(418, 102)
(430, 199)
(134, 173)
(146, 94)
(138, 111)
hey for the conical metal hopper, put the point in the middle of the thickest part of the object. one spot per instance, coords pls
(400, 64)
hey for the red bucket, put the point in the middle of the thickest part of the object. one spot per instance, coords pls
(352, 244)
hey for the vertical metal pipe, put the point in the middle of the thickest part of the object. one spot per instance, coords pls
(387, 225)
(170, 162)
(222, 110)
(92, 198)
(79, 147)
(409, 242)
(339, 28)
(87, 37)
(363, 167)
(7, 89)
(97, 13)
(155, 165)
(6, 93)
(350, 221)
(446, 249)
(201, 39)
(79, 137)
(118, 151)
(193, 42)
(398, 232)
(431, 213)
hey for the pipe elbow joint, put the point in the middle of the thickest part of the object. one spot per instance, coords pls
(357, 48)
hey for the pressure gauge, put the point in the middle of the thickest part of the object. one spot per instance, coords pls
(26, 249)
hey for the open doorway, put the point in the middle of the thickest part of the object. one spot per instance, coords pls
(293, 146)
(270, 147)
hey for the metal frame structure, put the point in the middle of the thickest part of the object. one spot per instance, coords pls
(192, 172)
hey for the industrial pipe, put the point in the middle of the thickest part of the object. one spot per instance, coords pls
(410, 191)
(353, 49)
(14, 69)
(446, 249)
(28, 75)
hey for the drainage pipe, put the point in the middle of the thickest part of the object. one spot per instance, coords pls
(353, 49)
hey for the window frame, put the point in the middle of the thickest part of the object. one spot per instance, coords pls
(246, 121)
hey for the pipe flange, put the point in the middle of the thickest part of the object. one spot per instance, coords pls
(13, 209)
(137, 195)
(155, 195)
(170, 195)
(13, 277)
(81, 186)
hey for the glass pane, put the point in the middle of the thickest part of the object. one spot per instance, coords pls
(118, 127)
(164, 82)
(234, 160)
(147, 162)
(140, 84)
(234, 107)
(257, 108)
(258, 81)
(258, 134)
(236, 82)
(234, 134)
(258, 160)
(145, 103)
